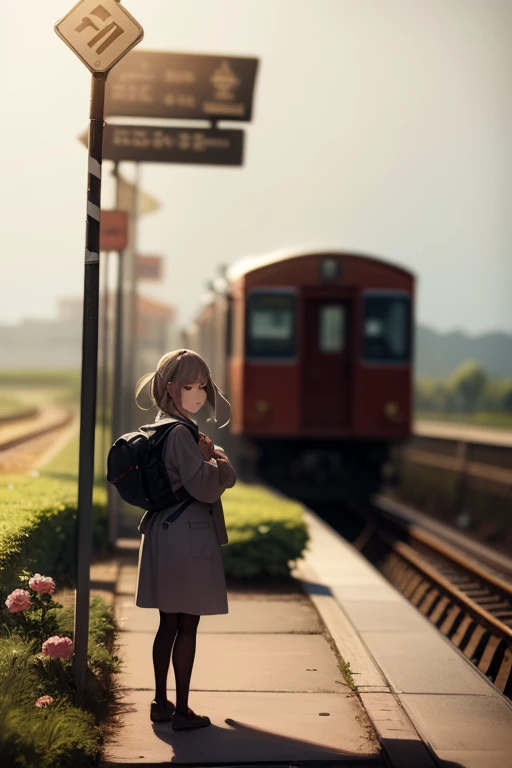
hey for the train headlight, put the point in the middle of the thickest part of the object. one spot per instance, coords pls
(391, 410)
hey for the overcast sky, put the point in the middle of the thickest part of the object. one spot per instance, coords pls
(381, 126)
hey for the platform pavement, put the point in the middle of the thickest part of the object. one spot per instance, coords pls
(264, 673)
(464, 432)
(412, 681)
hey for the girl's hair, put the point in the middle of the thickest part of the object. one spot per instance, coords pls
(179, 368)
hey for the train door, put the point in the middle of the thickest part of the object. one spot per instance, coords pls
(326, 382)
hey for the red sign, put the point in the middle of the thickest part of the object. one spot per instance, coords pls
(149, 267)
(113, 231)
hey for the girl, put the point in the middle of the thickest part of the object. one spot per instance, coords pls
(180, 562)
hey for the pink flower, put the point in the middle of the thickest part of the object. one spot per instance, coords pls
(19, 600)
(58, 647)
(42, 584)
(44, 701)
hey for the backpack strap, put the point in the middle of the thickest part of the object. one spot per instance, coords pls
(181, 493)
(164, 428)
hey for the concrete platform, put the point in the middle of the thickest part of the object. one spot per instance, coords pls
(247, 728)
(242, 662)
(412, 682)
(466, 432)
(269, 679)
(265, 675)
(291, 616)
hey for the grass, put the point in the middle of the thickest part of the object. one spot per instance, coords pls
(346, 671)
(35, 378)
(13, 407)
(482, 419)
(40, 387)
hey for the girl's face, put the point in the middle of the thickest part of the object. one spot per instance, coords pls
(193, 396)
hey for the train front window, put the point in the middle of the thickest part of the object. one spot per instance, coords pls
(271, 325)
(387, 328)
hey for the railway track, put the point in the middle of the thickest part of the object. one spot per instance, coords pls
(469, 599)
(43, 422)
(26, 444)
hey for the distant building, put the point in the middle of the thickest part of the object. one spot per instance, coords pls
(46, 344)
(156, 333)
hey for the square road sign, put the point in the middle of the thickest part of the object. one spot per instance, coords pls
(100, 32)
(113, 230)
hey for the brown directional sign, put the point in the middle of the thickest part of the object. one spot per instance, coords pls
(181, 85)
(113, 231)
(149, 267)
(149, 144)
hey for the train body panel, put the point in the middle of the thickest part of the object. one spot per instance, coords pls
(314, 351)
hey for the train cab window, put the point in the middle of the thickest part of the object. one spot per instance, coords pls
(331, 328)
(270, 325)
(387, 328)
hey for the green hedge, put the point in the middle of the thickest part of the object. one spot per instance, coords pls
(267, 533)
(38, 520)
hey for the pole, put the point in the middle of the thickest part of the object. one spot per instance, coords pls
(89, 375)
(117, 401)
(131, 362)
(105, 361)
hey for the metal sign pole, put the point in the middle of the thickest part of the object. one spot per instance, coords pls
(89, 374)
(114, 499)
(100, 35)
(105, 360)
(132, 372)
(131, 414)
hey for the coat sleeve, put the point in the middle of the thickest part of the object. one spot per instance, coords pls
(204, 480)
(226, 474)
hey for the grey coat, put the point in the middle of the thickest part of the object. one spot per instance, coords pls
(180, 567)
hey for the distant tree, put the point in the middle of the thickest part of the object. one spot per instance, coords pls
(507, 399)
(432, 396)
(468, 383)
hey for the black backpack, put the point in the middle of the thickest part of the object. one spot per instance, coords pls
(135, 466)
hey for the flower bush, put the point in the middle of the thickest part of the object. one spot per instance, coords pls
(44, 701)
(58, 647)
(44, 584)
(19, 600)
(32, 614)
(44, 722)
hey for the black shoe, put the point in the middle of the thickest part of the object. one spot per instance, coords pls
(189, 721)
(161, 713)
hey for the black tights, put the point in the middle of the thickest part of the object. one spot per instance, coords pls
(179, 629)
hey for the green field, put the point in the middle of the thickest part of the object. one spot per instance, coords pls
(13, 407)
(22, 389)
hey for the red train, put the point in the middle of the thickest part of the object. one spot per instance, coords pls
(314, 351)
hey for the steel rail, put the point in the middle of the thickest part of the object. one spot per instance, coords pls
(471, 607)
(470, 618)
(456, 464)
(452, 554)
(40, 432)
(438, 545)
(29, 414)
